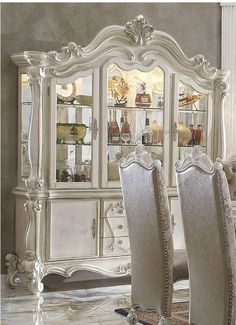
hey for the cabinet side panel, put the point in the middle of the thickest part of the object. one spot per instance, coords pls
(21, 226)
(73, 229)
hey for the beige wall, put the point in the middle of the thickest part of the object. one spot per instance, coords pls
(45, 27)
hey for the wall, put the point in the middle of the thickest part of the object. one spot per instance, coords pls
(45, 27)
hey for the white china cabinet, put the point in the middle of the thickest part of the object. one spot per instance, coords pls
(80, 111)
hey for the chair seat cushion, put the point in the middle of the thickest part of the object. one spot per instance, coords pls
(180, 265)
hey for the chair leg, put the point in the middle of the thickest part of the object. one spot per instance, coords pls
(132, 317)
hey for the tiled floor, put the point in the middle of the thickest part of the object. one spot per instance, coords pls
(83, 307)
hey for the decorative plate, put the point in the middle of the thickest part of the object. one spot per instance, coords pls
(66, 93)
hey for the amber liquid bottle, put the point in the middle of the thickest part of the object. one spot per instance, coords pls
(114, 131)
(125, 130)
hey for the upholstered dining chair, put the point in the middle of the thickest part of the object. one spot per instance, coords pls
(150, 235)
(209, 237)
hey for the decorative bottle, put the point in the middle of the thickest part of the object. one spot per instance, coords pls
(115, 131)
(125, 130)
(154, 127)
(199, 134)
(147, 136)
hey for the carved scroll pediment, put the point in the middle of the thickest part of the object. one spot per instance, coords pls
(140, 155)
(200, 159)
(139, 30)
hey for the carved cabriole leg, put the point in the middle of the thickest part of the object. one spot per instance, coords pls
(12, 264)
(132, 317)
(33, 270)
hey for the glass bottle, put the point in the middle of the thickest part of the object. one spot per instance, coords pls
(193, 135)
(125, 130)
(154, 127)
(115, 130)
(147, 136)
(199, 134)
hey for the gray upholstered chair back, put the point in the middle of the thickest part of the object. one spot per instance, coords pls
(209, 237)
(146, 205)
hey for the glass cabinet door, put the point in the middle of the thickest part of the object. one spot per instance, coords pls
(135, 106)
(192, 119)
(74, 136)
(25, 114)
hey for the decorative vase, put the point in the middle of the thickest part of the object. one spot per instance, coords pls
(184, 134)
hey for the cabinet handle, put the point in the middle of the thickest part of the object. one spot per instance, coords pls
(120, 227)
(175, 131)
(94, 228)
(120, 242)
(95, 128)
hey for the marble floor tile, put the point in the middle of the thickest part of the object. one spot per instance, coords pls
(83, 307)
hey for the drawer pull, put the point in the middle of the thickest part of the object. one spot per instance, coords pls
(121, 227)
(120, 242)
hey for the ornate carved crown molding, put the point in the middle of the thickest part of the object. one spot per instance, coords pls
(135, 42)
(140, 155)
(139, 30)
(200, 159)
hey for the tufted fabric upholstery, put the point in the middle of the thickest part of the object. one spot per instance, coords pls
(210, 239)
(150, 233)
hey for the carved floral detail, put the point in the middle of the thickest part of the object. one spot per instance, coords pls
(123, 269)
(139, 30)
(196, 158)
(223, 86)
(200, 62)
(13, 269)
(140, 155)
(72, 49)
(34, 272)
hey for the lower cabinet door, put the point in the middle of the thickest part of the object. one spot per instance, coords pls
(73, 229)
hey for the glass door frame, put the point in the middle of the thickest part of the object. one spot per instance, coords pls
(128, 66)
(176, 78)
(94, 133)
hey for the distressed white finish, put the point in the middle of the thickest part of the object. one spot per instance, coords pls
(39, 229)
(228, 61)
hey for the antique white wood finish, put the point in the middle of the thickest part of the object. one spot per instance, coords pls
(69, 227)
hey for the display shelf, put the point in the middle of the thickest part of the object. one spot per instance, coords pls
(191, 146)
(74, 105)
(74, 144)
(192, 111)
(133, 145)
(137, 108)
(26, 103)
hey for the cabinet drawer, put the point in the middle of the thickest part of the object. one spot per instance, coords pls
(116, 246)
(113, 208)
(114, 227)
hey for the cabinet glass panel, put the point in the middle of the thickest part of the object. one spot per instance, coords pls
(74, 136)
(26, 103)
(135, 104)
(192, 119)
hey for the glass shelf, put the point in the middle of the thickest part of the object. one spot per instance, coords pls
(192, 111)
(74, 105)
(137, 108)
(26, 103)
(74, 144)
(191, 146)
(132, 145)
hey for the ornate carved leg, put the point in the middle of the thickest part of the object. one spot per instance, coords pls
(12, 263)
(33, 270)
(132, 317)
